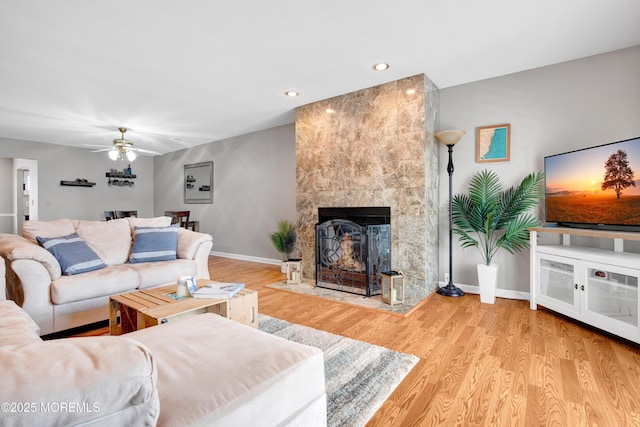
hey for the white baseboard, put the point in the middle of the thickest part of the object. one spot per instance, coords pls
(247, 258)
(500, 293)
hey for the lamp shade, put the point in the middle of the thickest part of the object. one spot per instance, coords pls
(131, 156)
(113, 154)
(450, 137)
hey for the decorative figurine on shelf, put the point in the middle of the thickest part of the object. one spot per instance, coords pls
(127, 170)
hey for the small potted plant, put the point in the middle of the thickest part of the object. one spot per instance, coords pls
(489, 219)
(284, 240)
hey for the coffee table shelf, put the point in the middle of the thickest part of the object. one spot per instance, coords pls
(149, 307)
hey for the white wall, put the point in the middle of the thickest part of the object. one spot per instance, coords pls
(254, 186)
(554, 109)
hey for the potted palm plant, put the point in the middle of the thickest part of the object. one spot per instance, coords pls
(284, 240)
(491, 219)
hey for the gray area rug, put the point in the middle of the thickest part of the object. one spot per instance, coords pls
(359, 376)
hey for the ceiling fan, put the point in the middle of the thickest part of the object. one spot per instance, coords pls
(123, 148)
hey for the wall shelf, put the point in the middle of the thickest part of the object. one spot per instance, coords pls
(77, 184)
(119, 175)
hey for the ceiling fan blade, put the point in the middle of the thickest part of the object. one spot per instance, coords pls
(148, 152)
(122, 144)
(97, 146)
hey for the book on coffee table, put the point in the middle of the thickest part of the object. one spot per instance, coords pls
(218, 290)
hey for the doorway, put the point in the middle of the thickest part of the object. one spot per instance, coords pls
(22, 197)
(23, 188)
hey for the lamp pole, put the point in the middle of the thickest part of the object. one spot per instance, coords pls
(450, 138)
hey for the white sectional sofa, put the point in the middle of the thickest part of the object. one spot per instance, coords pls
(203, 370)
(57, 302)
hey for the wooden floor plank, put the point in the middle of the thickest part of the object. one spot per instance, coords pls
(480, 364)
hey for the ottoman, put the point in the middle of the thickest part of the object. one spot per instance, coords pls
(213, 371)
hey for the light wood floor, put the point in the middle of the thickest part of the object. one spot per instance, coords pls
(480, 364)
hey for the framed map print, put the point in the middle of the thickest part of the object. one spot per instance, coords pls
(493, 143)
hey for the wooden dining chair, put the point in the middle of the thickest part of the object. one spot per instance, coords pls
(109, 215)
(126, 214)
(179, 217)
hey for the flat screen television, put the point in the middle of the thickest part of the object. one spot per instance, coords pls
(596, 187)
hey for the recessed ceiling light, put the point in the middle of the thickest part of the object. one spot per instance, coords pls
(381, 67)
(411, 91)
(330, 110)
(291, 93)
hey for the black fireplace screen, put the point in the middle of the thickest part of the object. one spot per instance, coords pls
(350, 256)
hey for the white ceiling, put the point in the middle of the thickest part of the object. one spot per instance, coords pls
(183, 73)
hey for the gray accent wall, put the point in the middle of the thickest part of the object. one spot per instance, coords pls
(254, 187)
(551, 110)
(558, 108)
(61, 163)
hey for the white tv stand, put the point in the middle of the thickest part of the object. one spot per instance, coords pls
(595, 286)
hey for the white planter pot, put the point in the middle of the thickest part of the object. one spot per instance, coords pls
(283, 267)
(488, 280)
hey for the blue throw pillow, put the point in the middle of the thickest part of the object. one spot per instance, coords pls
(73, 253)
(154, 244)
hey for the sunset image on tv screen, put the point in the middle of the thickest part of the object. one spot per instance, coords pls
(598, 185)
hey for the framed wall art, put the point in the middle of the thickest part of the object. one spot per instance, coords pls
(198, 183)
(493, 143)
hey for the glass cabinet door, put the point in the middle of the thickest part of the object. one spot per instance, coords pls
(557, 283)
(611, 297)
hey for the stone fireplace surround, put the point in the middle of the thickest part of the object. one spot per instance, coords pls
(375, 147)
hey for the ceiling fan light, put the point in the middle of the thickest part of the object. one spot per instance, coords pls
(131, 156)
(113, 155)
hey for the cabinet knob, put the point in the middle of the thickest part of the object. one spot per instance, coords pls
(582, 288)
(575, 285)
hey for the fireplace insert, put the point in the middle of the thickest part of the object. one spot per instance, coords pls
(353, 247)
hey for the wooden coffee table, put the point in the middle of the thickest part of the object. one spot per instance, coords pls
(149, 307)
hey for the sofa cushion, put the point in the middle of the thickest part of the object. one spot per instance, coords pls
(59, 227)
(110, 239)
(266, 380)
(16, 327)
(96, 381)
(151, 274)
(159, 221)
(73, 253)
(112, 280)
(154, 244)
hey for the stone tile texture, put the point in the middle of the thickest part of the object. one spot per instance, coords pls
(375, 149)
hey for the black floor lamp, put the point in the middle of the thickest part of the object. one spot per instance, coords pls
(450, 138)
